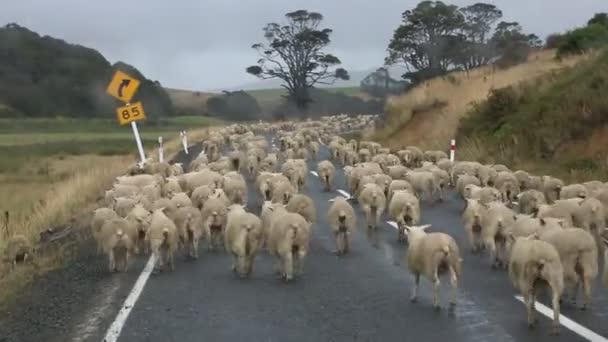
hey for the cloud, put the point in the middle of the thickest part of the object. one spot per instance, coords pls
(197, 44)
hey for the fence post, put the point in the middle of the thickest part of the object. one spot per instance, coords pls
(452, 149)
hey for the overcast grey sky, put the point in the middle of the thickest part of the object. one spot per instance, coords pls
(205, 44)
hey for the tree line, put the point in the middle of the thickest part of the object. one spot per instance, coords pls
(434, 38)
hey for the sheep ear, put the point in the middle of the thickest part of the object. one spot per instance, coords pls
(425, 227)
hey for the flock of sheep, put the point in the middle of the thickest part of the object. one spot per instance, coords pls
(547, 234)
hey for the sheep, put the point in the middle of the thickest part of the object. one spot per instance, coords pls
(500, 168)
(464, 168)
(326, 172)
(434, 156)
(181, 200)
(399, 184)
(484, 194)
(486, 175)
(526, 225)
(364, 155)
(192, 180)
(373, 203)
(18, 249)
(578, 254)
(139, 217)
(535, 264)
(530, 201)
(189, 224)
(237, 160)
(560, 209)
(416, 154)
(496, 224)
(404, 208)
(573, 191)
(304, 206)
(465, 180)
(270, 209)
(424, 183)
(151, 192)
(177, 169)
(235, 188)
(432, 255)
(351, 158)
(508, 185)
(551, 187)
(397, 171)
(116, 236)
(200, 195)
(288, 243)
(139, 180)
(383, 181)
(314, 149)
(121, 190)
(524, 179)
(171, 187)
(123, 205)
(242, 238)
(446, 165)
(471, 218)
(593, 186)
(282, 192)
(214, 221)
(252, 165)
(590, 215)
(100, 216)
(162, 238)
(342, 222)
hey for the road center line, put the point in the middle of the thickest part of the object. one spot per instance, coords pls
(343, 193)
(393, 224)
(567, 322)
(114, 331)
(314, 173)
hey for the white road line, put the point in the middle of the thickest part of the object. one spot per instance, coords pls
(393, 224)
(567, 322)
(343, 193)
(314, 173)
(321, 142)
(116, 327)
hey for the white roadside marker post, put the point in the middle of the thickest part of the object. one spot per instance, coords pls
(184, 140)
(161, 152)
(452, 149)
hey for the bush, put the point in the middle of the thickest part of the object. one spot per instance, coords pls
(582, 39)
(236, 105)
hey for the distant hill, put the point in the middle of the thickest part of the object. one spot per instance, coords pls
(356, 76)
(41, 76)
(189, 101)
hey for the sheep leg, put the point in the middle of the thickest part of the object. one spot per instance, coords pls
(436, 285)
(288, 266)
(574, 291)
(345, 242)
(454, 285)
(234, 260)
(112, 261)
(414, 297)
(472, 239)
(337, 241)
(126, 266)
(492, 247)
(587, 289)
(171, 258)
(529, 300)
(555, 330)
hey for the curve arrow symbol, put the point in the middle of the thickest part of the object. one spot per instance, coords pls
(123, 84)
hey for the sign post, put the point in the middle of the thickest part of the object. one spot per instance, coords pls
(184, 140)
(452, 149)
(161, 152)
(123, 87)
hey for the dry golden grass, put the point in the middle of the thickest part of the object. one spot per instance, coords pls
(70, 187)
(189, 100)
(428, 115)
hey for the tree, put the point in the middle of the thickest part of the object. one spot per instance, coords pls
(599, 18)
(294, 53)
(479, 20)
(512, 44)
(426, 40)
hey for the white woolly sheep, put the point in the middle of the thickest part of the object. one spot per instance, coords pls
(373, 203)
(573, 191)
(235, 188)
(326, 172)
(288, 243)
(243, 238)
(425, 184)
(162, 238)
(303, 205)
(190, 229)
(214, 221)
(551, 187)
(433, 255)
(471, 218)
(399, 184)
(139, 217)
(578, 253)
(404, 208)
(496, 225)
(530, 201)
(342, 222)
(463, 181)
(100, 216)
(200, 195)
(282, 192)
(116, 237)
(535, 264)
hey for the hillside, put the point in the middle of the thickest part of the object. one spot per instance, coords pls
(428, 115)
(556, 124)
(43, 76)
(188, 101)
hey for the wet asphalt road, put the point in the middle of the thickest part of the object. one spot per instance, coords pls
(362, 296)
